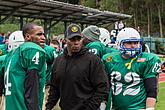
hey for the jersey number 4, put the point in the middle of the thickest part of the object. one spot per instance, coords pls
(35, 59)
(7, 83)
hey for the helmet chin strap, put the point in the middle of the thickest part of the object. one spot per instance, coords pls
(128, 65)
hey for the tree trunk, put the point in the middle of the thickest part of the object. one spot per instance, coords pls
(120, 6)
(135, 22)
(149, 22)
(160, 22)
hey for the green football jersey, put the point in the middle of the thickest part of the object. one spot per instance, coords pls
(27, 56)
(110, 50)
(3, 49)
(127, 76)
(97, 48)
(51, 54)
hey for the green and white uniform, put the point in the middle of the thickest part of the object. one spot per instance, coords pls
(51, 54)
(27, 56)
(97, 48)
(111, 50)
(127, 79)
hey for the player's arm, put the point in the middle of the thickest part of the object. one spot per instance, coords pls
(31, 89)
(151, 90)
(1, 87)
(33, 62)
(1, 81)
(151, 81)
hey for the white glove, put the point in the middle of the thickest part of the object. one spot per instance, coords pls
(102, 106)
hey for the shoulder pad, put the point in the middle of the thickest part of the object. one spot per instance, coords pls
(98, 44)
(31, 45)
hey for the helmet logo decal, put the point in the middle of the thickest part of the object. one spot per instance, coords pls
(74, 29)
(109, 59)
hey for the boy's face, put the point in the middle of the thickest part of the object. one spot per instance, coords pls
(132, 44)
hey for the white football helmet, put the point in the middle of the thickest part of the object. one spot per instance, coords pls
(15, 39)
(129, 35)
(104, 36)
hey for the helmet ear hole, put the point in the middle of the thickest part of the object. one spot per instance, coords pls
(9, 47)
(15, 39)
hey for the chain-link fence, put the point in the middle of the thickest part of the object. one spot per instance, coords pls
(155, 43)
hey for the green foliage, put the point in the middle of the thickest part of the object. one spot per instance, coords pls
(8, 27)
(57, 29)
(90, 3)
(109, 5)
(160, 105)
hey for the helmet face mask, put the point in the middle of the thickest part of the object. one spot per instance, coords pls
(15, 39)
(129, 35)
(131, 52)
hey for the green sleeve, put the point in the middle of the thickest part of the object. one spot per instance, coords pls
(152, 67)
(51, 54)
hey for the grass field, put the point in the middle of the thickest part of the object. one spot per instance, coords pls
(161, 97)
(162, 59)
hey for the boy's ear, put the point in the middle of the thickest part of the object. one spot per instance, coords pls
(27, 37)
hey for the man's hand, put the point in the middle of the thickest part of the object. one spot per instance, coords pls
(103, 105)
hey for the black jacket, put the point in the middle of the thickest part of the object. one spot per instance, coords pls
(79, 81)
